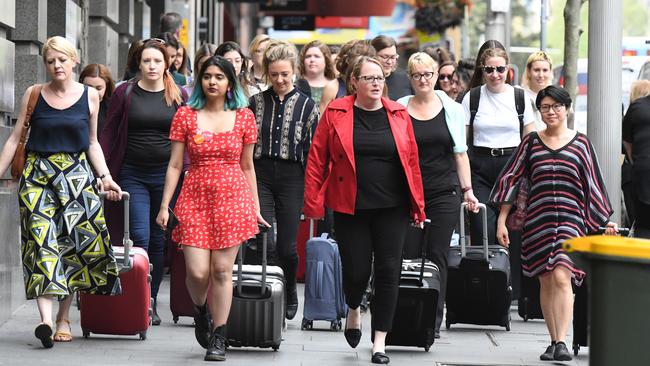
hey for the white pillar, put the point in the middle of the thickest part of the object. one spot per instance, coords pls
(604, 93)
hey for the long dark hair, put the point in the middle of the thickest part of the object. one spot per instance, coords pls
(477, 78)
(228, 46)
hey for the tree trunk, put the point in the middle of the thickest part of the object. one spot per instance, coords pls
(572, 32)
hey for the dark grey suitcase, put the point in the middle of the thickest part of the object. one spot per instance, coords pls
(258, 306)
(478, 282)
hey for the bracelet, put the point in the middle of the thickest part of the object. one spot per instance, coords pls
(467, 189)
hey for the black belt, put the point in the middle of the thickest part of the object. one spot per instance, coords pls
(494, 151)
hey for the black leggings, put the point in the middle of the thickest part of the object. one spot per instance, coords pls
(378, 233)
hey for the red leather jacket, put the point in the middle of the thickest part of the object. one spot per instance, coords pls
(330, 176)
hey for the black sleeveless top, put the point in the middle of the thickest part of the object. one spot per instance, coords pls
(60, 130)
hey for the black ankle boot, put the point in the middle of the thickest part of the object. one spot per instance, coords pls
(155, 319)
(217, 345)
(292, 302)
(202, 325)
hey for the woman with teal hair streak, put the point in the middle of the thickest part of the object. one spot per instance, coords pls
(218, 207)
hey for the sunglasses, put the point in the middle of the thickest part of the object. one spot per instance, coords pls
(446, 77)
(491, 69)
(161, 41)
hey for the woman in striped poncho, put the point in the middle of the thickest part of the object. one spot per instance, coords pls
(567, 199)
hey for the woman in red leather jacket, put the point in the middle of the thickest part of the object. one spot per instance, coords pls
(363, 164)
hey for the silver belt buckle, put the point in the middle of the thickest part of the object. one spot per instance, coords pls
(495, 150)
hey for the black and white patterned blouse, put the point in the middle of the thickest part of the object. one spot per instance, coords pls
(284, 128)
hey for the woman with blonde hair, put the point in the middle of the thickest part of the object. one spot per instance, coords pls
(439, 128)
(256, 48)
(538, 74)
(137, 150)
(286, 121)
(64, 245)
(364, 166)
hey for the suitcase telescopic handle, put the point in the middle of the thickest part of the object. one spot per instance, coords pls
(463, 238)
(127, 243)
(423, 252)
(240, 262)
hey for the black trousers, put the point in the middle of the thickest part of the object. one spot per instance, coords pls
(642, 223)
(378, 233)
(485, 172)
(280, 186)
(443, 211)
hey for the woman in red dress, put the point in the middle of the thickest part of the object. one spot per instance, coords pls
(218, 207)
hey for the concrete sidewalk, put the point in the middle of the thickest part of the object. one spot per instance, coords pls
(174, 344)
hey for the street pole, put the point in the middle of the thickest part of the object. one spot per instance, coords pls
(604, 93)
(542, 32)
(495, 23)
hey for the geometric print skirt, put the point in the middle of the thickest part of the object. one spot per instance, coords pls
(65, 245)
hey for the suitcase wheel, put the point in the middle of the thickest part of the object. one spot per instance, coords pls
(143, 335)
(336, 325)
(448, 322)
(175, 319)
(427, 348)
(306, 324)
(86, 333)
(506, 322)
(576, 349)
(276, 348)
(508, 326)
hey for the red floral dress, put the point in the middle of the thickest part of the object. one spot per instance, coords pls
(215, 208)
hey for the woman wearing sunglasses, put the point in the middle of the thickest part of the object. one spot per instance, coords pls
(136, 145)
(439, 127)
(445, 79)
(495, 129)
(363, 165)
(567, 199)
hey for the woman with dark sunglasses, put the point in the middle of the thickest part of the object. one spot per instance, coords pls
(494, 130)
(446, 72)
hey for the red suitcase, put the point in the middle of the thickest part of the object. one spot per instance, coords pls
(180, 302)
(130, 312)
(301, 246)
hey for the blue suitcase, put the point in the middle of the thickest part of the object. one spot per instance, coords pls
(324, 299)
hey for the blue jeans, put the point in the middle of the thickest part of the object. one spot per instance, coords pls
(146, 188)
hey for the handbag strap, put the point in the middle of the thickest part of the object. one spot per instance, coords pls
(33, 98)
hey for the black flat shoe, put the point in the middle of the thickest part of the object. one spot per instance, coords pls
(549, 354)
(292, 309)
(380, 357)
(353, 336)
(155, 318)
(561, 352)
(44, 333)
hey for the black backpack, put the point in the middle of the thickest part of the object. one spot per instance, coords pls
(475, 98)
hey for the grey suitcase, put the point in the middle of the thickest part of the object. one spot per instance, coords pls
(258, 305)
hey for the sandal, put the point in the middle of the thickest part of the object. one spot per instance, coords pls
(44, 332)
(61, 335)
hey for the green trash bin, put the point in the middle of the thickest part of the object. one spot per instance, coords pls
(619, 298)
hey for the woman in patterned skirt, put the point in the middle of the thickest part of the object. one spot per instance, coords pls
(64, 241)
(567, 199)
(218, 207)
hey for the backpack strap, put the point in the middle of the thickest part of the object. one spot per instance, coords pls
(520, 104)
(474, 99)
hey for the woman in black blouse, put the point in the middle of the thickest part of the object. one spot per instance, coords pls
(286, 121)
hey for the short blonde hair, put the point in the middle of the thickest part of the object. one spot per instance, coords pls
(280, 51)
(257, 40)
(422, 58)
(59, 44)
(639, 89)
(534, 57)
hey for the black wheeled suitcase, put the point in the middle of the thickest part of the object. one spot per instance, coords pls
(415, 315)
(478, 283)
(529, 306)
(258, 306)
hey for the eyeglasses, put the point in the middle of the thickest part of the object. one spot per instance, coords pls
(446, 77)
(545, 108)
(386, 58)
(426, 75)
(490, 69)
(371, 79)
(161, 41)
